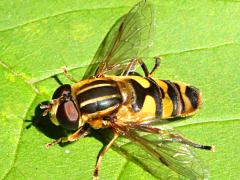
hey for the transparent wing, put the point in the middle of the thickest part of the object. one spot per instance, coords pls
(126, 40)
(160, 155)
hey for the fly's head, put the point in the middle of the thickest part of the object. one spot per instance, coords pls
(64, 109)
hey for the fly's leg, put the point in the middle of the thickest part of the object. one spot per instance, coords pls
(145, 69)
(101, 154)
(156, 66)
(68, 75)
(176, 137)
(131, 67)
(73, 137)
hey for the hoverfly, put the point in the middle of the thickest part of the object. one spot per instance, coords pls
(113, 95)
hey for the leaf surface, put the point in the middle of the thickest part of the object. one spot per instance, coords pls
(197, 40)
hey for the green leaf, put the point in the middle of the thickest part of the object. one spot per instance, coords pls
(197, 40)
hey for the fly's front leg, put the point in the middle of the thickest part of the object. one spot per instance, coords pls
(81, 132)
(68, 75)
(101, 154)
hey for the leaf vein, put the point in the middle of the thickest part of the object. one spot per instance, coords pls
(58, 14)
(202, 48)
(205, 122)
(19, 75)
(123, 168)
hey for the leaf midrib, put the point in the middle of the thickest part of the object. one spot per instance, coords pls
(59, 14)
(32, 82)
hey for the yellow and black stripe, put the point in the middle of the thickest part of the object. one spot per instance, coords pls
(178, 99)
(146, 97)
(99, 96)
(171, 99)
(140, 94)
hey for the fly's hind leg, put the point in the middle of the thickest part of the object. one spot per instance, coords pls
(68, 75)
(101, 154)
(131, 67)
(81, 132)
(156, 66)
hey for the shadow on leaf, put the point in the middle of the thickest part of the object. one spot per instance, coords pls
(44, 124)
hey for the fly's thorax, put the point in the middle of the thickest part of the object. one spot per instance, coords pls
(97, 98)
(64, 109)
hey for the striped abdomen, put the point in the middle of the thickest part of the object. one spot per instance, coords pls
(99, 98)
(162, 98)
(178, 99)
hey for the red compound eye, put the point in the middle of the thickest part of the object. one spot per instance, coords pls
(67, 115)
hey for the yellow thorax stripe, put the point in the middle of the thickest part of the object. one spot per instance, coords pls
(84, 103)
